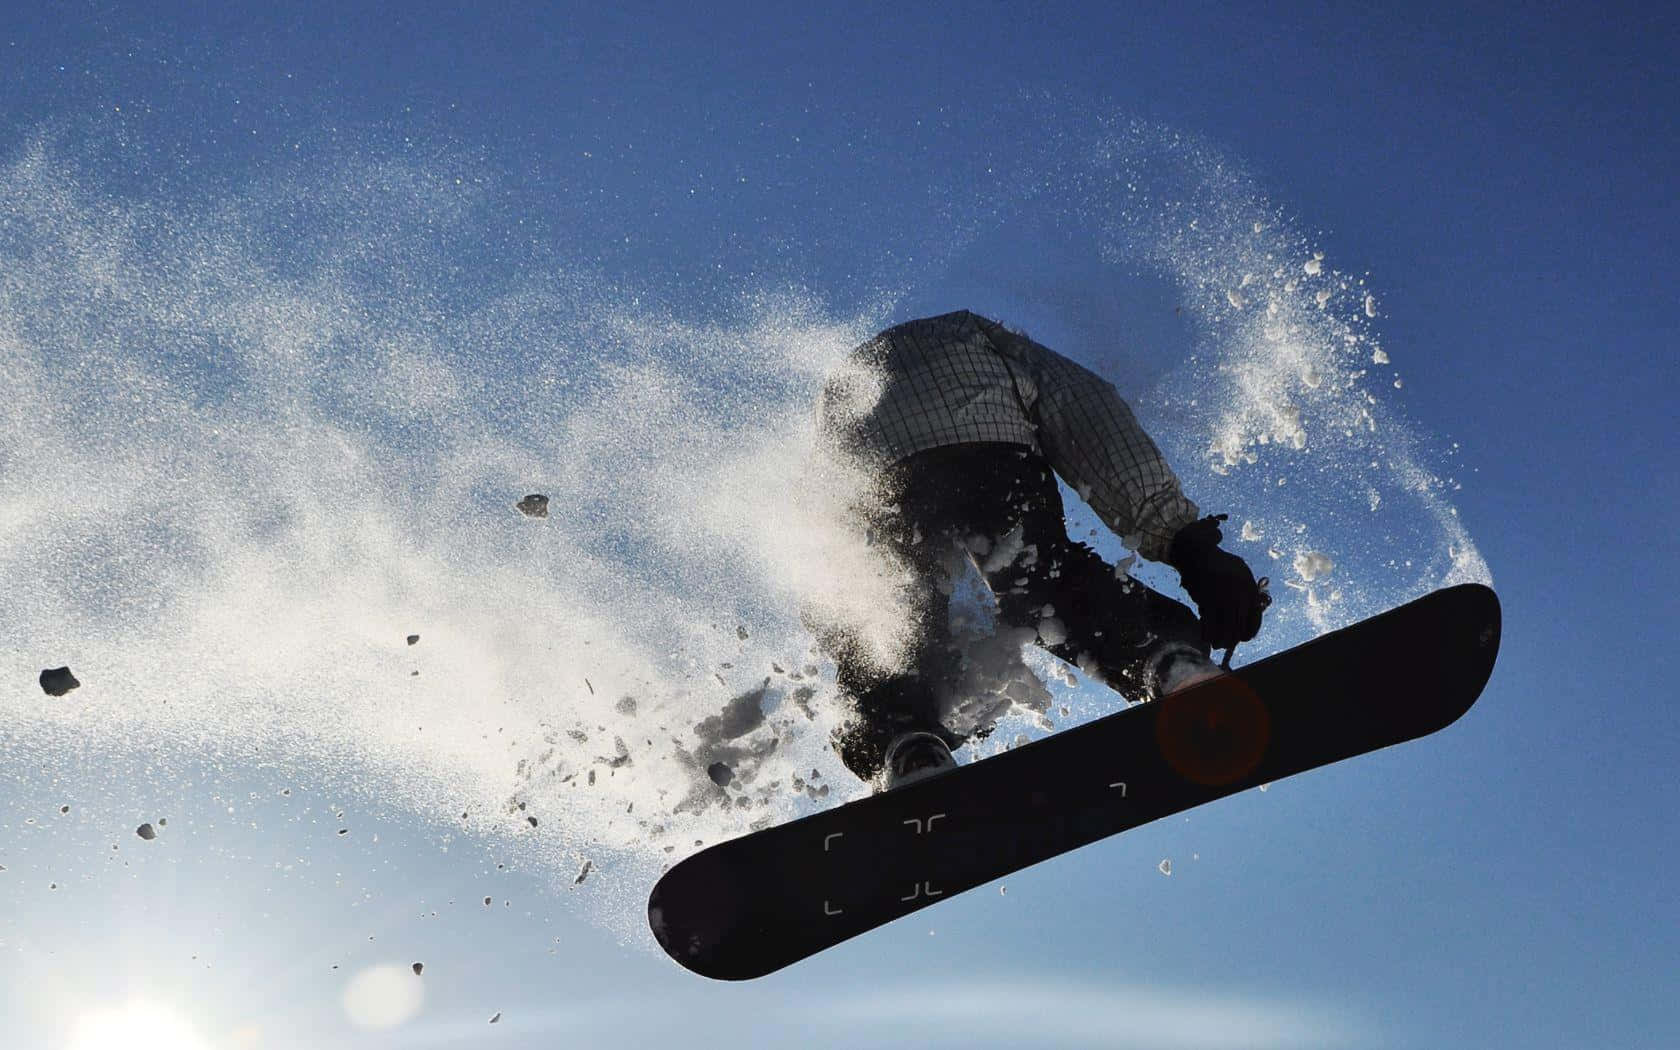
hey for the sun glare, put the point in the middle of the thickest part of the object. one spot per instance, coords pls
(135, 1026)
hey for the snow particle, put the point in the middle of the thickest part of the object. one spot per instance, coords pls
(1379, 357)
(146, 832)
(64, 809)
(496, 1018)
(1165, 866)
(1370, 306)
(720, 773)
(583, 873)
(534, 506)
(57, 681)
(418, 967)
(487, 902)
(1310, 565)
(1314, 266)
(413, 638)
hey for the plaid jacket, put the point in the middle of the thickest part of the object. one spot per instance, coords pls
(961, 378)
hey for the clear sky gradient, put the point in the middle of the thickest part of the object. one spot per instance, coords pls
(1503, 180)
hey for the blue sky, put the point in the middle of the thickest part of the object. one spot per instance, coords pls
(485, 189)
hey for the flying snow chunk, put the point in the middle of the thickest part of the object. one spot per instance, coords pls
(146, 832)
(1249, 532)
(58, 680)
(1379, 357)
(1310, 565)
(1165, 866)
(720, 773)
(418, 967)
(413, 639)
(1315, 265)
(534, 506)
(1123, 567)
(1370, 306)
(741, 715)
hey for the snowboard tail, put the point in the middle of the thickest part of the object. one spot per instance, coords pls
(750, 906)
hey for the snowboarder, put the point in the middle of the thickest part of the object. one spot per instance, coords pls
(969, 424)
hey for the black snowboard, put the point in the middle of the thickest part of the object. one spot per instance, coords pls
(748, 907)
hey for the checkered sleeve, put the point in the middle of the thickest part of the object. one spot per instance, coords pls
(1092, 439)
(925, 384)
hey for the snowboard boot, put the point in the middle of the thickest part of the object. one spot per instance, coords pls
(1177, 667)
(914, 756)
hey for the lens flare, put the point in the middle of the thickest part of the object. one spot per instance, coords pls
(137, 1025)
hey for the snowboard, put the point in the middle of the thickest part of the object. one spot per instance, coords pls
(748, 907)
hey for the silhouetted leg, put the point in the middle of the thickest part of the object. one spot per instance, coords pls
(942, 499)
(1114, 628)
(1000, 505)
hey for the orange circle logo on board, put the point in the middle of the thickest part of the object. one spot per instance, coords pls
(1214, 733)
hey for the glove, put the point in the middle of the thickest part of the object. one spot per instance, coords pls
(1227, 598)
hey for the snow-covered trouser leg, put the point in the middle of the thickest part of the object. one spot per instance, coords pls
(1001, 503)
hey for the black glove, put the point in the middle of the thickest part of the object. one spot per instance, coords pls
(1220, 583)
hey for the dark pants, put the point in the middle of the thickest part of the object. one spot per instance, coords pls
(948, 505)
